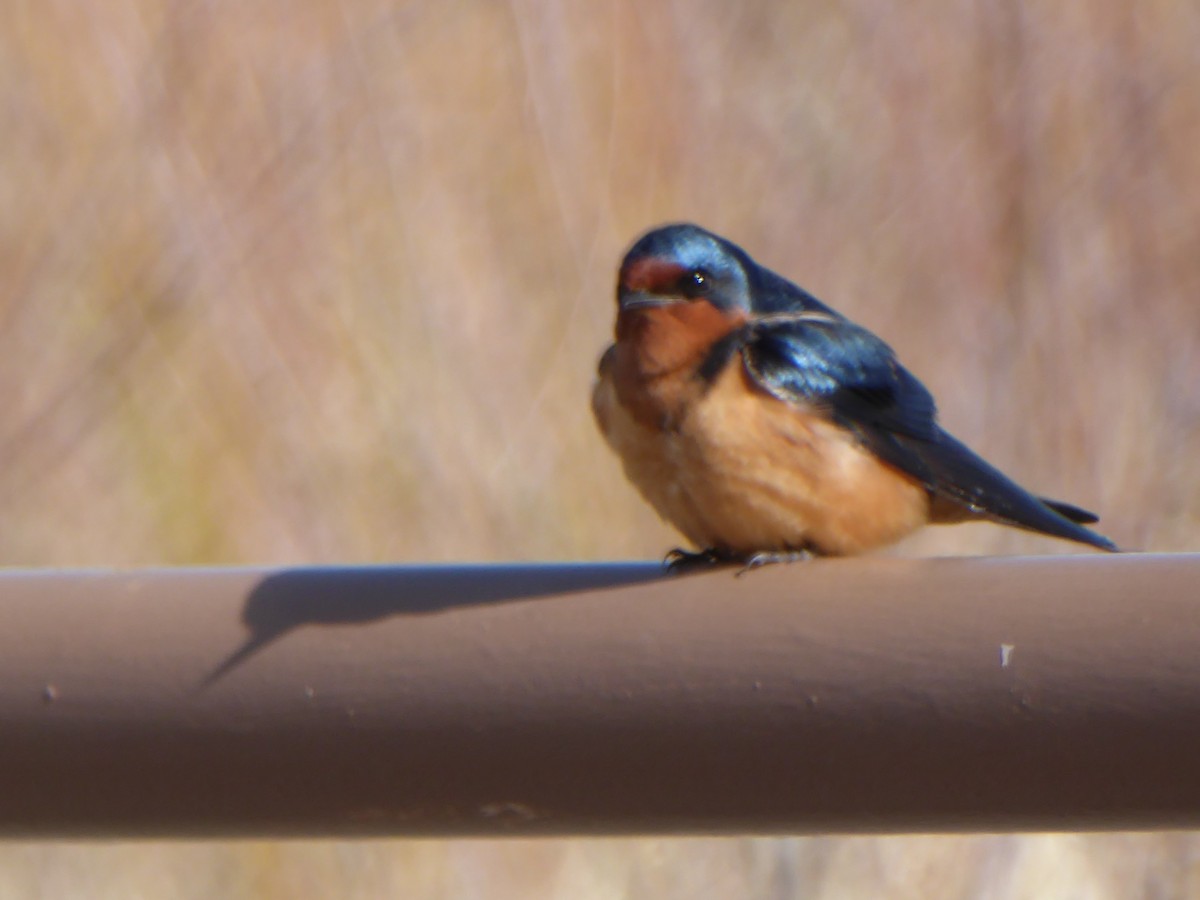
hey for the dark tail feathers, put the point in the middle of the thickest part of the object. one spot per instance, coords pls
(1074, 513)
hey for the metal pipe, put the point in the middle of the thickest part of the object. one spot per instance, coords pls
(859, 695)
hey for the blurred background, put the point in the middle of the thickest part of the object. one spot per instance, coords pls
(327, 281)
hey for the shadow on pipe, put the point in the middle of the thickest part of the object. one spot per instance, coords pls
(293, 598)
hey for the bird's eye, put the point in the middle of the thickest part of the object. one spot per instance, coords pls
(694, 283)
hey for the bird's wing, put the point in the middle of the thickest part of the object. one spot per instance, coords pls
(831, 364)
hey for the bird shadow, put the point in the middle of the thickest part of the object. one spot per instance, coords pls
(355, 595)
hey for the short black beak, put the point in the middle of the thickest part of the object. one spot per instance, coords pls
(628, 299)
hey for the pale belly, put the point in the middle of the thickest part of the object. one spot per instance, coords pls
(741, 471)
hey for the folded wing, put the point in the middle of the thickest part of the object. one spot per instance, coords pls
(824, 361)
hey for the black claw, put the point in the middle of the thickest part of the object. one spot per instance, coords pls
(679, 560)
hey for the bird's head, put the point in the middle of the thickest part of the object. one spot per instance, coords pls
(680, 265)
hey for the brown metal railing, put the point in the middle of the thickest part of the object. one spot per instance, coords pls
(836, 695)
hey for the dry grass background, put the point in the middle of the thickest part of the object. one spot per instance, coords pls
(323, 282)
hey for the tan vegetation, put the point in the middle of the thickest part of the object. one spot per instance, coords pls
(326, 282)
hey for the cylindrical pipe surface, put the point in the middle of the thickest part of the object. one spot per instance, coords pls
(833, 695)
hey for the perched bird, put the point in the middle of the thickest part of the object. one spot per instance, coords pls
(765, 426)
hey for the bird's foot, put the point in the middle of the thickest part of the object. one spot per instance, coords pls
(770, 557)
(678, 561)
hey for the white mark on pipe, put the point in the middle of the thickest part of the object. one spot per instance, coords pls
(1005, 654)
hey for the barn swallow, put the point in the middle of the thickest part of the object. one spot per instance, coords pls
(765, 426)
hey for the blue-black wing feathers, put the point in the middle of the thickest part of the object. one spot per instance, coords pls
(824, 361)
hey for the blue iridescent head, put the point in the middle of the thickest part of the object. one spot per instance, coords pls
(683, 263)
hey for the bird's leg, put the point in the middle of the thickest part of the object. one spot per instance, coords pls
(679, 560)
(770, 557)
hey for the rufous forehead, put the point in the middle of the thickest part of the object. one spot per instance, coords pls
(649, 273)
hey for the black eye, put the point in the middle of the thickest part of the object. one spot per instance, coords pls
(695, 283)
